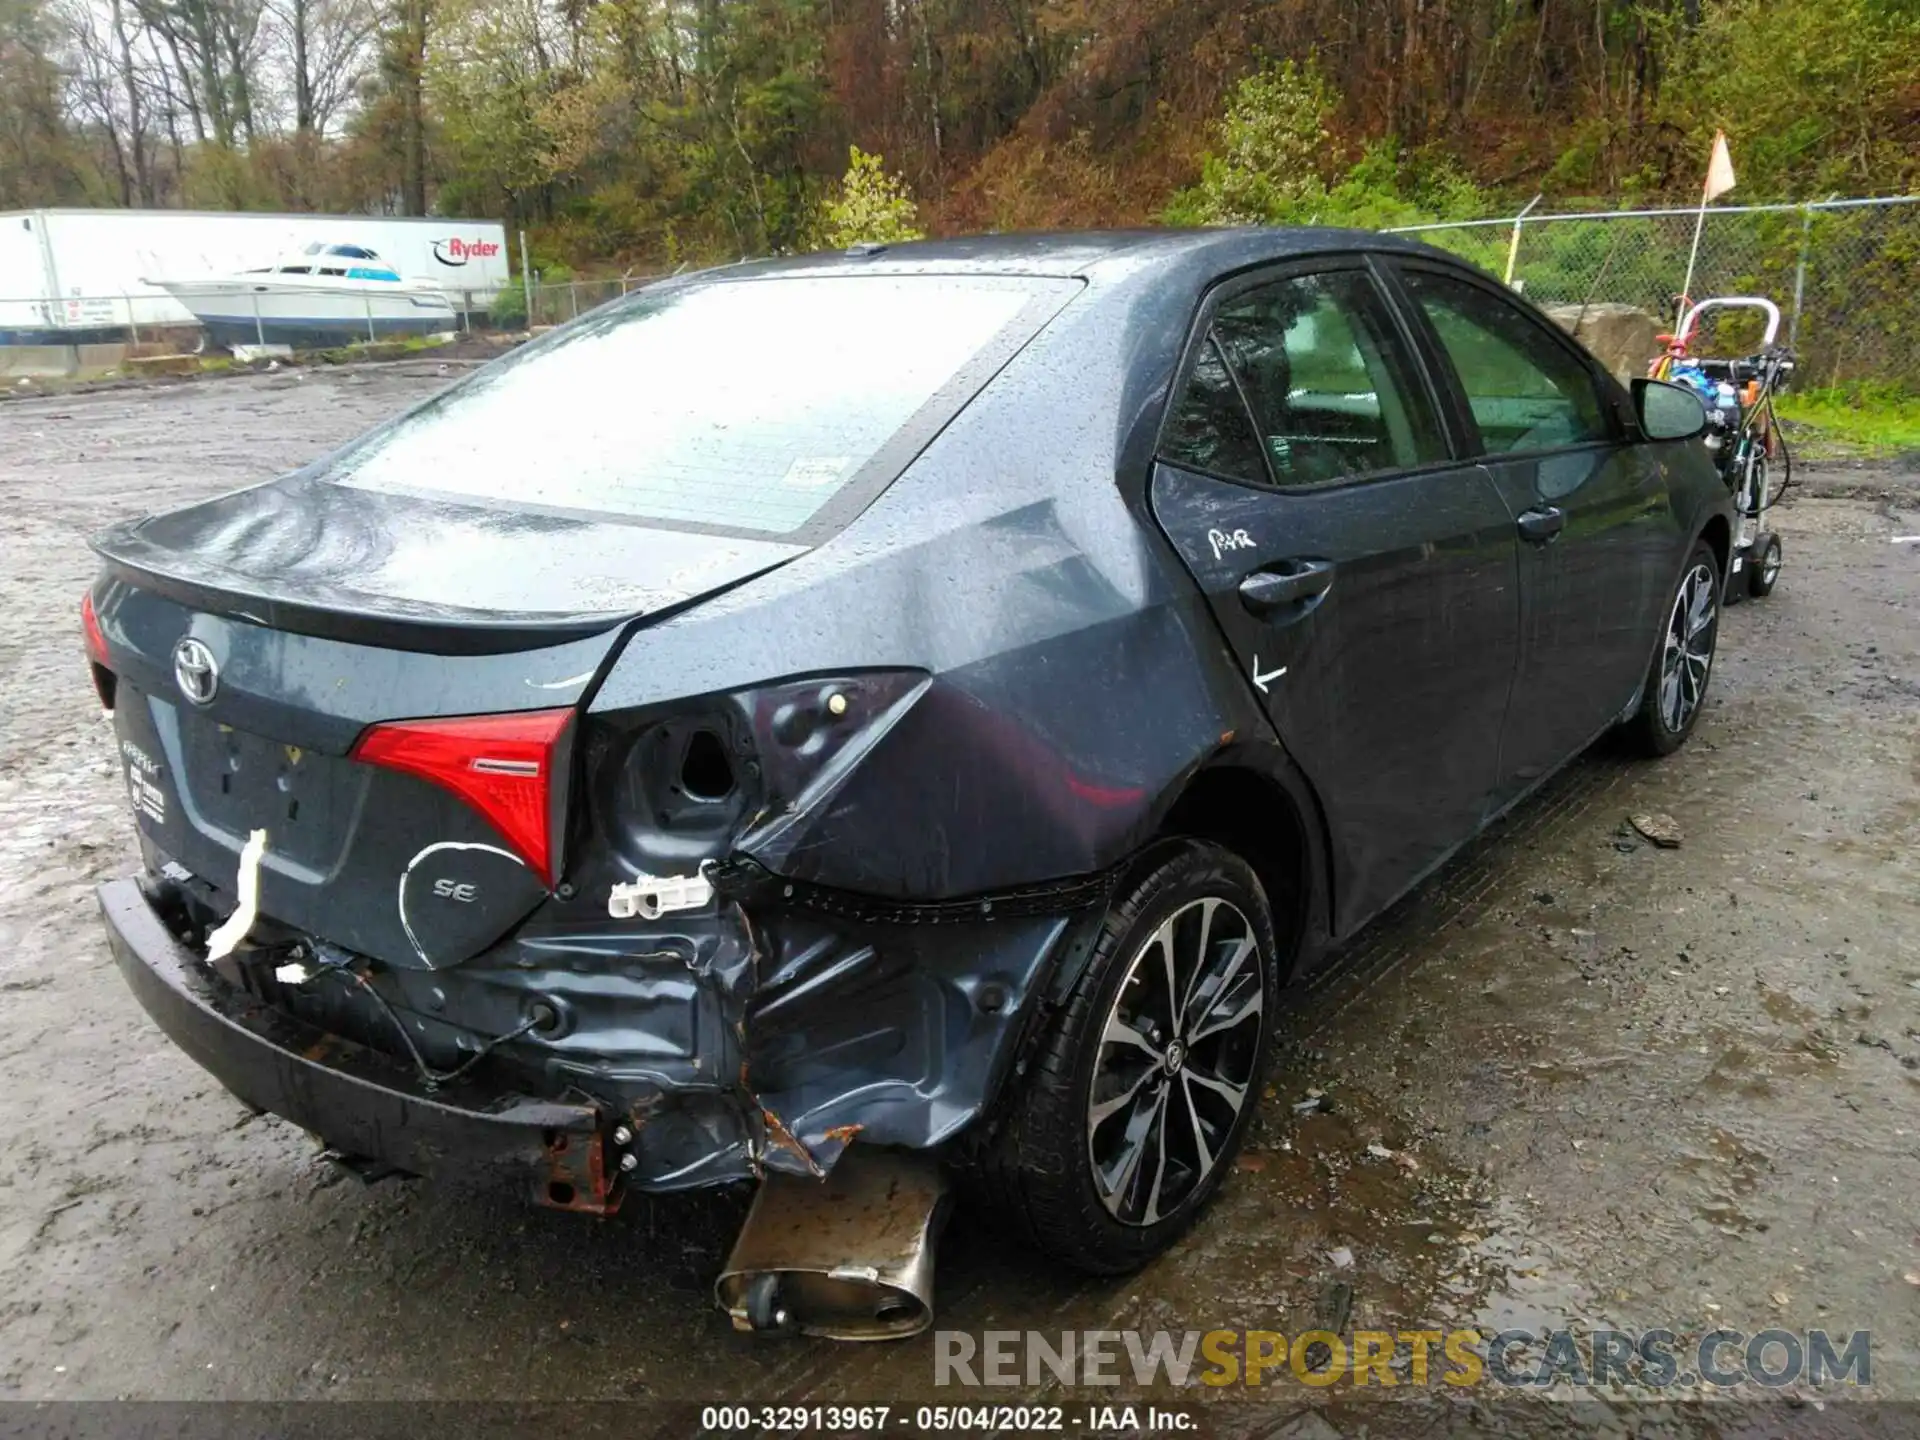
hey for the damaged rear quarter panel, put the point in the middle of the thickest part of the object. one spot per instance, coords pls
(1067, 682)
(1075, 676)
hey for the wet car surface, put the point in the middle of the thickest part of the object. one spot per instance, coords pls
(1710, 1129)
(814, 753)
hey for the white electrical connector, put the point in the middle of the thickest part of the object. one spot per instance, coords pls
(651, 896)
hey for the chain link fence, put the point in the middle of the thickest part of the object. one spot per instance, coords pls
(557, 301)
(1845, 273)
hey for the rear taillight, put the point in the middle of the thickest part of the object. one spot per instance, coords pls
(502, 765)
(103, 681)
(96, 637)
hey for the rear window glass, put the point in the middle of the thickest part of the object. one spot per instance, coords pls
(734, 406)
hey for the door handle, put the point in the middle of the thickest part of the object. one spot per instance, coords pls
(1542, 523)
(1287, 583)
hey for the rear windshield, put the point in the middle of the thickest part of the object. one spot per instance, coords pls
(764, 407)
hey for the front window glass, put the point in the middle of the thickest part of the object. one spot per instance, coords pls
(735, 405)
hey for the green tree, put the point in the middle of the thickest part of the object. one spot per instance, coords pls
(37, 157)
(1815, 98)
(870, 206)
(1273, 167)
(1271, 142)
(759, 104)
(489, 79)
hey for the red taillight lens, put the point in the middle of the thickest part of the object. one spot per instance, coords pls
(502, 765)
(96, 637)
(103, 681)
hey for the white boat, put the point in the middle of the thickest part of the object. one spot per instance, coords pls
(328, 294)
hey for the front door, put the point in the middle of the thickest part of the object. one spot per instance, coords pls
(1364, 577)
(1597, 535)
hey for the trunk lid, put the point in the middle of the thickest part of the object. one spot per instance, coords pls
(370, 857)
(424, 573)
(323, 620)
(383, 864)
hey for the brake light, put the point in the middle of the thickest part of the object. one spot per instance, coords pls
(502, 765)
(96, 637)
(103, 681)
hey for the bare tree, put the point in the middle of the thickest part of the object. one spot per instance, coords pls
(325, 47)
(104, 90)
(216, 47)
(403, 63)
(133, 84)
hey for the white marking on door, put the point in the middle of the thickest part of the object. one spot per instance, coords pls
(1225, 540)
(1261, 680)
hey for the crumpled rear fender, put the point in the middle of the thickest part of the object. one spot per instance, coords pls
(771, 1031)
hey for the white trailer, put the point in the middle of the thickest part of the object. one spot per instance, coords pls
(78, 276)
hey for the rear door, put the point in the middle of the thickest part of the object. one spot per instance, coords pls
(1597, 533)
(1362, 574)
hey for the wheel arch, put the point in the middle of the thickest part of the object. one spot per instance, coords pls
(1718, 535)
(1253, 803)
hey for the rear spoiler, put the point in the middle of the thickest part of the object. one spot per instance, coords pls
(340, 614)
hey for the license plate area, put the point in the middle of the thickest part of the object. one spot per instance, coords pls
(235, 782)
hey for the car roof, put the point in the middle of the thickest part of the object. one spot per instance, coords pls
(1082, 253)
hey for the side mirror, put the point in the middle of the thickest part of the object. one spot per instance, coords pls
(1668, 412)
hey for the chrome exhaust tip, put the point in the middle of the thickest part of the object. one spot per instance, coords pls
(849, 1257)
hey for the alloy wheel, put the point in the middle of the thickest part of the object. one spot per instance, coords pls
(1688, 654)
(1176, 1058)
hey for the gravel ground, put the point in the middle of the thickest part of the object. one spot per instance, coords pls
(1615, 1084)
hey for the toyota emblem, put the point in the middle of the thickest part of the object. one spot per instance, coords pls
(195, 671)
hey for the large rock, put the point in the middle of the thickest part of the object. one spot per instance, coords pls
(1622, 336)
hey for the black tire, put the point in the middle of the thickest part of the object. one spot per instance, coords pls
(1039, 1175)
(1763, 566)
(1666, 716)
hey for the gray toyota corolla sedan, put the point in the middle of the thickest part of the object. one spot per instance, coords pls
(856, 722)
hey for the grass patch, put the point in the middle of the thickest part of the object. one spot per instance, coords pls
(1851, 422)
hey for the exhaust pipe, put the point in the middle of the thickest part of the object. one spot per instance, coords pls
(849, 1257)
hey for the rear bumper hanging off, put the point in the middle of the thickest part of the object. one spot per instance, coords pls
(717, 1049)
(359, 1101)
